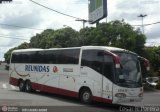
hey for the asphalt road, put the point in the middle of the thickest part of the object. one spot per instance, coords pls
(11, 96)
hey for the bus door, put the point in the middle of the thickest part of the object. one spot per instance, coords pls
(98, 66)
(108, 76)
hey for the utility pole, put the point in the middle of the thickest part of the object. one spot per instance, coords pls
(83, 20)
(142, 16)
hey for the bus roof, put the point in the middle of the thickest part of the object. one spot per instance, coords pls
(107, 48)
(103, 47)
(83, 47)
(26, 50)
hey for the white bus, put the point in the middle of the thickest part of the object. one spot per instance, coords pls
(90, 73)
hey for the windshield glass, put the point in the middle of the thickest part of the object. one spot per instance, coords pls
(129, 73)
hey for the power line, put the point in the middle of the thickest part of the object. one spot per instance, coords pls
(54, 10)
(19, 26)
(12, 35)
(152, 23)
(147, 24)
(13, 38)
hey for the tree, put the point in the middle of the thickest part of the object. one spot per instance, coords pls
(153, 55)
(114, 33)
(66, 37)
(43, 40)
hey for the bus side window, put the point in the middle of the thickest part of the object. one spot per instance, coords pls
(14, 58)
(108, 69)
(92, 59)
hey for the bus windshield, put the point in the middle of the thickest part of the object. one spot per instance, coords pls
(129, 73)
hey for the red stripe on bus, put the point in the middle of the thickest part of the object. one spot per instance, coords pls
(13, 81)
(49, 89)
(103, 100)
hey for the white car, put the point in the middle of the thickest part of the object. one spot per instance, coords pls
(152, 81)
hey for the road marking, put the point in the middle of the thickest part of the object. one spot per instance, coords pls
(13, 87)
(7, 86)
(4, 86)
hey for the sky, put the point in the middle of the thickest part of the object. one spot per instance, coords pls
(27, 14)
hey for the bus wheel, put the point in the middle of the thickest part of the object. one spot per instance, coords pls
(21, 85)
(28, 86)
(85, 96)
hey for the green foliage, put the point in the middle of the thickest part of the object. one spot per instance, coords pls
(153, 54)
(66, 37)
(158, 85)
(115, 33)
(43, 40)
(7, 55)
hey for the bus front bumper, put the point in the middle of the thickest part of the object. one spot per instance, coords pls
(126, 100)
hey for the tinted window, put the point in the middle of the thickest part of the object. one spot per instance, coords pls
(14, 58)
(34, 57)
(50, 57)
(24, 57)
(67, 56)
(93, 59)
(99, 61)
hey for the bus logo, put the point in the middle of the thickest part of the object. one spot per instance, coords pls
(55, 69)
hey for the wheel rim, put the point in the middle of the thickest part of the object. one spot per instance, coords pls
(27, 87)
(86, 96)
(21, 85)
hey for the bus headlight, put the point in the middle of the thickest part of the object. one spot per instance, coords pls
(120, 95)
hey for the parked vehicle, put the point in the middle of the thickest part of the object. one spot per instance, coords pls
(152, 81)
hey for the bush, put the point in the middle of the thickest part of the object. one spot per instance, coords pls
(158, 85)
(7, 67)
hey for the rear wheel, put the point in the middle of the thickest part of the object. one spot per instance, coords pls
(21, 85)
(28, 86)
(86, 96)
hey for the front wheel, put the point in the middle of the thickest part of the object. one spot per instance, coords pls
(86, 96)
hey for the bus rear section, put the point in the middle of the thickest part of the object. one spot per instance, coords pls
(90, 73)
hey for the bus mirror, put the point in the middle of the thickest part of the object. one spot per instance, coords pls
(144, 63)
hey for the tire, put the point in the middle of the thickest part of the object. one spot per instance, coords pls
(85, 96)
(21, 85)
(28, 86)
